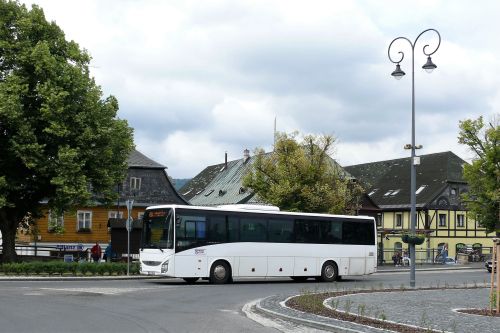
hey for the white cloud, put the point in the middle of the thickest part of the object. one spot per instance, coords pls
(196, 79)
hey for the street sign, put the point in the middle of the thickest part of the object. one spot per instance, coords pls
(128, 223)
(129, 203)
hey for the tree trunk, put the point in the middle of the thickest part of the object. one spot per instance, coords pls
(8, 228)
(9, 245)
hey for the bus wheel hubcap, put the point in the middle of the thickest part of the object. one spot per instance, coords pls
(329, 271)
(220, 272)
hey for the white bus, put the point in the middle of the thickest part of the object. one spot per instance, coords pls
(218, 244)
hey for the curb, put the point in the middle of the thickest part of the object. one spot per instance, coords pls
(304, 322)
(74, 278)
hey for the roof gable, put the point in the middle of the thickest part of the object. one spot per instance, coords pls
(139, 160)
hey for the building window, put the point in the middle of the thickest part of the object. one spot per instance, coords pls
(399, 220)
(379, 220)
(140, 215)
(55, 221)
(113, 214)
(135, 183)
(84, 220)
(453, 191)
(398, 247)
(460, 220)
(442, 220)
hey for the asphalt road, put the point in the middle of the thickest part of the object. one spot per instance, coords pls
(169, 305)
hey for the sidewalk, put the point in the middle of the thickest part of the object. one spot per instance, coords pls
(427, 309)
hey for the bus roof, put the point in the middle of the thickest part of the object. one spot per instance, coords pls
(257, 210)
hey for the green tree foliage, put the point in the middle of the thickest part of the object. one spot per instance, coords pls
(483, 175)
(59, 139)
(301, 176)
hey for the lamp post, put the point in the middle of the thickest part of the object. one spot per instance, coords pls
(398, 74)
(128, 225)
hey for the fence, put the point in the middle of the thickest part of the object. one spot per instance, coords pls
(79, 253)
(433, 256)
(30, 252)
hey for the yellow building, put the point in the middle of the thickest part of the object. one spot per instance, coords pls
(441, 214)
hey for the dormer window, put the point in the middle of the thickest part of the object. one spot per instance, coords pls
(420, 189)
(392, 193)
(135, 183)
(395, 192)
(373, 192)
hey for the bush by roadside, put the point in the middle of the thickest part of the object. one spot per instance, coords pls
(67, 268)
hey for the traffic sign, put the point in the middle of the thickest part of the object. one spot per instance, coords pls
(128, 223)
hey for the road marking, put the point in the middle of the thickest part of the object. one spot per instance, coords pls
(33, 294)
(229, 311)
(102, 291)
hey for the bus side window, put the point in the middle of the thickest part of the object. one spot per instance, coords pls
(280, 231)
(217, 232)
(307, 231)
(331, 232)
(233, 228)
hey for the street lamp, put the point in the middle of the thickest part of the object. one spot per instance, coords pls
(398, 74)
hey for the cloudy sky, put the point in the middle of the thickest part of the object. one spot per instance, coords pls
(198, 78)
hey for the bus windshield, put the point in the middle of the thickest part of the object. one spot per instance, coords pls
(158, 229)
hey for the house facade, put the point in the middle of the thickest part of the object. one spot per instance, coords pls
(441, 214)
(147, 183)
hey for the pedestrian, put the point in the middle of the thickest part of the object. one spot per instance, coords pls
(108, 253)
(444, 252)
(96, 252)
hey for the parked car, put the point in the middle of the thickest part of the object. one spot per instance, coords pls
(488, 264)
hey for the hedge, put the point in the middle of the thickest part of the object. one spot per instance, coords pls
(67, 268)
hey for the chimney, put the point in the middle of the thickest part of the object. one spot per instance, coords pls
(246, 155)
(225, 160)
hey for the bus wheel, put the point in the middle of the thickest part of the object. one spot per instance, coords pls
(190, 280)
(220, 273)
(329, 272)
(299, 278)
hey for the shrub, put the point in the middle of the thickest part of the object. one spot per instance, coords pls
(74, 268)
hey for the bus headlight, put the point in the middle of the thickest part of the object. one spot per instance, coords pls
(164, 267)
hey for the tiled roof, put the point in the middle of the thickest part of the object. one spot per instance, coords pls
(388, 182)
(217, 185)
(200, 181)
(139, 160)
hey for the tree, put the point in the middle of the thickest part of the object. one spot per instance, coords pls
(60, 141)
(483, 175)
(301, 176)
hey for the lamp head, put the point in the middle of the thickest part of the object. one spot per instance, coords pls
(429, 65)
(398, 73)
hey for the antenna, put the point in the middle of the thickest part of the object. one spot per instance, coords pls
(274, 144)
